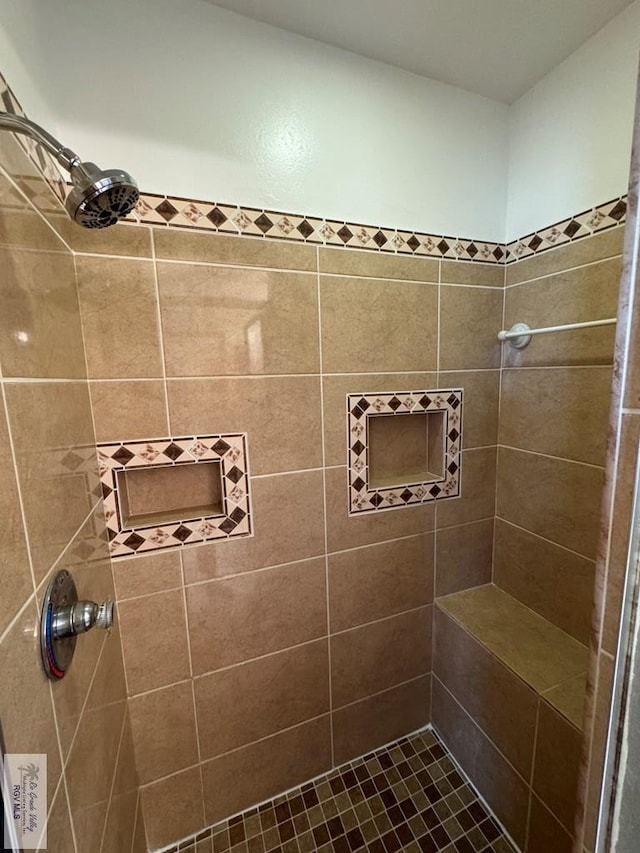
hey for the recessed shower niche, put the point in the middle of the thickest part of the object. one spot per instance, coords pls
(165, 493)
(404, 448)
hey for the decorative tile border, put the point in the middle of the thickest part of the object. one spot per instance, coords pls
(612, 214)
(362, 407)
(230, 450)
(211, 217)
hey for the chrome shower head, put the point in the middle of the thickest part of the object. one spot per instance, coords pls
(98, 197)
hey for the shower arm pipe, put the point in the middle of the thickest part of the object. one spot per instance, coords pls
(509, 334)
(19, 124)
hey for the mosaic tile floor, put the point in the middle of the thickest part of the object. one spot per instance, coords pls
(407, 796)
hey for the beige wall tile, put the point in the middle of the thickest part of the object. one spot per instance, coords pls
(470, 319)
(248, 702)
(375, 657)
(464, 557)
(153, 657)
(27, 714)
(334, 391)
(374, 582)
(371, 325)
(18, 585)
(121, 239)
(537, 651)
(569, 699)
(20, 225)
(218, 321)
(146, 574)
(499, 702)
(173, 807)
(283, 506)
(164, 731)
(281, 416)
(59, 831)
(562, 412)
(365, 725)
(554, 582)
(40, 330)
(460, 272)
(557, 499)
(545, 832)
(235, 619)
(53, 439)
(477, 499)
(363, 264)
(120, 824)
(480, 404)
(120, 318)
(244, 251)
(589, 293)
(585, 251)
(503, 789)
(140, 836)
(90, 770)
(556, 764)
(124, 411)
(254, 773)
(346, 531)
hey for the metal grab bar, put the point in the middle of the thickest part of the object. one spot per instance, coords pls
(520, 334)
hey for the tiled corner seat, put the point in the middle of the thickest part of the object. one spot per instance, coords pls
(508, 700)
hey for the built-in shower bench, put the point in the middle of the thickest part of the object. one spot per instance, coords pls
(508, 697)
(550, 661)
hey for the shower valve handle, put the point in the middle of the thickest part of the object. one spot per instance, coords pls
(79, 617)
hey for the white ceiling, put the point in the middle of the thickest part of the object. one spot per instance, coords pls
(496, 48)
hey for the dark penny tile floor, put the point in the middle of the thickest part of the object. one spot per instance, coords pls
(406, 796)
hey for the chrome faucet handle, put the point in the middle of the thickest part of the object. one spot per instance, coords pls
(63, 619)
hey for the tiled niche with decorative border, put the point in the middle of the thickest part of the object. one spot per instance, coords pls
(404, 448)
(201, 484)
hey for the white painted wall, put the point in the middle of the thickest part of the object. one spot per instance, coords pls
(570, 136)
(199, 102)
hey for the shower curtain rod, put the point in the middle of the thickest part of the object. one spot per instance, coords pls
(520, 334)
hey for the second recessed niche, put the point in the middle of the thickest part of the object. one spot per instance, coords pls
(406, 448)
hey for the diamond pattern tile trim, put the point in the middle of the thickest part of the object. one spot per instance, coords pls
(361, 408)
(408, 796)
(234, 520)
(194, 214)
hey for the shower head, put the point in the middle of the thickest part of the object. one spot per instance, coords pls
(98, 197)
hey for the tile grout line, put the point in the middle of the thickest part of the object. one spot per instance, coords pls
(324, 505)
(160, 332)
(115, 773)
(544, 538)
(290, 728)
(527, 835)
(497, 479)
(562, 270)
(123, 559)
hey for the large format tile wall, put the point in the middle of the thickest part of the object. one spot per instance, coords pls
(555, 398)
(255, 664)
(52, 517)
